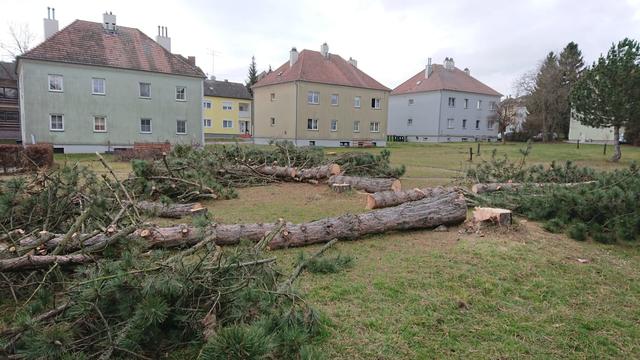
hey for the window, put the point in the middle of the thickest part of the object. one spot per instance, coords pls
(312, 124)
(375, 103)
(334, 99)
(411, 101)
(145, 126)
(409, 122)
(464, 123)
(181, 93)
(356, 102)
(227, 106)
(449, 123)
(312, 143)
(99, 123)
(477, 124)
(207, 123)
(206, 104)
(374, 126)
(313, 97)
(273, 96)
(8, 93)
(98, 86)
(492, 105)
(227, 124)
(56, 83)
(273, 121)
(345, 143)
(181, 126)
(466, 103)
(479, 105)
(334, 125)
(452, 102)
(145, 90)
(356, 126)
(243, 107)
(489, 125)
(56, 122)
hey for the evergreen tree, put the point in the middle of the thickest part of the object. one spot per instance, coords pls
(608, 93)
(544, 103)
(253, 75)
(571, 66)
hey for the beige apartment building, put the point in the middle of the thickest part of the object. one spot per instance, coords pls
(320, 99)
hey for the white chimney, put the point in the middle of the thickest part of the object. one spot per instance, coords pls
(163, 38)
(324, 50)
(109, 21)
(429, 69)
(467, 71)
(353, 62)
(293, 56)
(449, 64)
(50, 23)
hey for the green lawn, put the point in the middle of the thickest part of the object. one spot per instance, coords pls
(501, 294)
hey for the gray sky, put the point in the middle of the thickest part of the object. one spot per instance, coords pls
(391, 39)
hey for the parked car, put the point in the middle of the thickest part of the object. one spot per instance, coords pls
(539, 137)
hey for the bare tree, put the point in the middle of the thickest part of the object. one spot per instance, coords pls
(504, 116)
(20, 41)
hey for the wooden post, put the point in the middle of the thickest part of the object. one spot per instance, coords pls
(478, 151)
(578, 144)
(604, 151)
(470, 154)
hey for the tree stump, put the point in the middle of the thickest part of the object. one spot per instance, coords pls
(493, 215)
(340, 188)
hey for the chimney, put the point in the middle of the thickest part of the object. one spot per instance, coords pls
(163, 38)
(429, 69)
(467, 71)
(109, 21)
(353, 62)
(324, 50)
(191, 60)
(293, 56)
(50, 23)
(449, 64)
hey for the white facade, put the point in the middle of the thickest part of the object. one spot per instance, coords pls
(584, 133)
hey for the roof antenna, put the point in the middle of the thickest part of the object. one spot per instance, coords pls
(48, 12)
(53, 13)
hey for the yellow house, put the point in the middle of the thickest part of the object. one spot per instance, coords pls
(226, 109)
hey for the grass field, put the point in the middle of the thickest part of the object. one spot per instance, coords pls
(500, 294)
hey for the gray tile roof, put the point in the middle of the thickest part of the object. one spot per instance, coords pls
(8, 71)
(226, 89)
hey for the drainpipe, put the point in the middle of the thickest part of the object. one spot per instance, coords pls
(439, 118)
(295, 119)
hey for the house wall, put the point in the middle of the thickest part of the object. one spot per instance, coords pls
(217, 115)
(282, 108)
(121, 105)
(9, 114)
(584, 133)
(424, 113)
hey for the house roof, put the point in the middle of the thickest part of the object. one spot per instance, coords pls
(226, 89)
(443, 79)
(8, 71)
(313, 67)
(88, 43)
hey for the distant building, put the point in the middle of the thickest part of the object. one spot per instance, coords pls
(519, 114)
(320, 99)
(443, 103)
(100, 86)
(9, 105)
(584, 133)
(226, 109)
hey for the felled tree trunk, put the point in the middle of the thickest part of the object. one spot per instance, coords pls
(30, 262)
(319, 172)
(277, 171)
(173, 211)
(370, 185)
(491, 187)
(392, 198)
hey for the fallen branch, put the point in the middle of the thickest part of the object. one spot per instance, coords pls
(30, 262)
(285, 286)
(491, 187)
(172, 211)
(392, 198)
(370, 185)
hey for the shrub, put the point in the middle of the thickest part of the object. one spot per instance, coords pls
(10, 156)
(38, 155)
(578, 232)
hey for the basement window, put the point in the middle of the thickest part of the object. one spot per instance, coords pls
(273, 121)
(345, 143)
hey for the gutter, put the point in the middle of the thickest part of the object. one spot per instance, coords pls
(295, 118)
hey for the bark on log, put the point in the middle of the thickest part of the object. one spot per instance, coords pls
(319, 172)
(491, 187)
(173, 211)
(30, 262)
(277, 171)
(370, 185)
(392, 198)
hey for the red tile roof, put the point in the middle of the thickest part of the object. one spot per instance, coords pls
(85, 42)
(313, 67)
(443, 79)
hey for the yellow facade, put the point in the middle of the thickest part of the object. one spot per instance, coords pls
(226, 116)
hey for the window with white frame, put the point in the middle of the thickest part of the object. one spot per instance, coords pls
(273, 96)
(464, 123)
(466, 103)
(206, 104)
(375, 103)
(411, 101)
(145, 90)
(452, 102)
(477, 124)
(374, 126)
(100, 123)
(313, 97)
(273, 121)
(181, 126)
(334, 99)
(449, 123)
(56, 83)
(227, 106)
(490, 125)
(479, 104)
(227, 124)
(206, 123)
(409, 122)
(492, 105)
(312, 124)
(56, 122)
(334, 125)
(356, 126)
(181, 93)
(98, 86)
(145, 126)
(356, 102)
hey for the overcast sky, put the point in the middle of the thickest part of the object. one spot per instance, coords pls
(391, 39)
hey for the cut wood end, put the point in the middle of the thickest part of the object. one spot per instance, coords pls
(396, 186)
(475, 188)
(145, 233)
(371, 202)
(334, 169)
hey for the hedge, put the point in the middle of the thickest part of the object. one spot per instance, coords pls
(14, 157)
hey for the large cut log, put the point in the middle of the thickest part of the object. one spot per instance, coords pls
(370, 185)
(491, 187)
(277, 171)
(30, 262)
(319, 172)
(392, 198)
(173, 211)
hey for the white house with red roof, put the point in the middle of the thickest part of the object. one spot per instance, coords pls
(443, 103)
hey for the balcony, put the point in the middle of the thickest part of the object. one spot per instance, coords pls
(244, 111)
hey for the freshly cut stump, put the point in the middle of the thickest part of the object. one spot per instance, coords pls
(340, 188)
(493, 215)
(370, 185)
